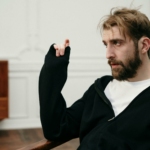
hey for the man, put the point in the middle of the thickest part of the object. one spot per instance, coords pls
(114, 113)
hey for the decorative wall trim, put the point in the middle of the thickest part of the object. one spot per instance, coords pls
(22, 98)
(81, 64)
(20, 123)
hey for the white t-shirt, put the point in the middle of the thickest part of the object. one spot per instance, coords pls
(121, 93)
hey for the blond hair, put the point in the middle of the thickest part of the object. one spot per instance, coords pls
(131, 22)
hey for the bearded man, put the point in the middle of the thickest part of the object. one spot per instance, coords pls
(113, 113)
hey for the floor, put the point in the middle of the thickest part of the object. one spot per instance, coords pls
(15, 139)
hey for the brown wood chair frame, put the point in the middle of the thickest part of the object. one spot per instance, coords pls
(42, 145)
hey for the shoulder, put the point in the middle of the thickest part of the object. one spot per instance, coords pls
(103, 81)
(100, 83)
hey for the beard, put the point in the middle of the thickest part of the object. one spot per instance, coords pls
(126, 70)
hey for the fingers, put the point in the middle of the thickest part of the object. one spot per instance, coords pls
(60, 49)
(67, 42)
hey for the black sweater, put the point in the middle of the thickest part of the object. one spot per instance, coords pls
(91, 118)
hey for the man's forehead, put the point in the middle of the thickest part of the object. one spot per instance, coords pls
(113, 33)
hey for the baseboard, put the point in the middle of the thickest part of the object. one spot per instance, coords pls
(20, 123)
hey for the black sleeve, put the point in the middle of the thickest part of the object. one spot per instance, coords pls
(58, 122)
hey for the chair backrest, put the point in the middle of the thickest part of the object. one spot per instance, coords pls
(3, 89)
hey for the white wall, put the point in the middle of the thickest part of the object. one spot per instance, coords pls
(29, 27)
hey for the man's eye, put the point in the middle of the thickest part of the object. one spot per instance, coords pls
(118, 43)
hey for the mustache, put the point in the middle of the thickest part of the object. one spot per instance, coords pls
(116, 62)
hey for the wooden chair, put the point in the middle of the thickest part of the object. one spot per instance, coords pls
(42, 145)
(3, 89)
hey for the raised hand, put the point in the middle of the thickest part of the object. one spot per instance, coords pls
(60, 48)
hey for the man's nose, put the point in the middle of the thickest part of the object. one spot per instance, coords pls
(109, 52)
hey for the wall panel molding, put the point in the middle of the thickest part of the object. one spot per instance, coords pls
(18, 95)
(78, 65)
(20, 123)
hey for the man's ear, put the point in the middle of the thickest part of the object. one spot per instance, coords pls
(145, 44)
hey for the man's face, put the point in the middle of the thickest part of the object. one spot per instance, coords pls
(122, 54)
